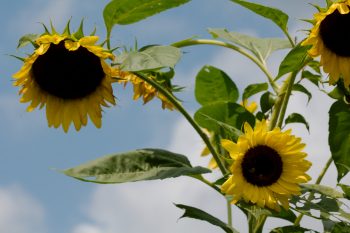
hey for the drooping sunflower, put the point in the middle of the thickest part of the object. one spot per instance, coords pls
(67, 73)
(143, 89)
(330, 39)
(267, 166)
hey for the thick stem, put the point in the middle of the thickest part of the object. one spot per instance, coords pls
(187, 116)
(229, 212)
(318, 181)
(190, 42)
(290, 83)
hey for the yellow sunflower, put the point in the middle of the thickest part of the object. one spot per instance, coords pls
(143, 89)
(68, 74)
(267, 166)
(330, 39)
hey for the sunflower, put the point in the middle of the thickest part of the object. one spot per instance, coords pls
(212, 163)
(267, 166)
(68, 74)
(329, 38)
(143, 89)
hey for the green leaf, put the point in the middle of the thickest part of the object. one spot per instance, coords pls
(346, 190)
(297, 118)
(125, 12)
(277, 16)
(260, 47)
(151, 58)
(267, 100)
(301, 88)
(227, 112)
(315, 65)
(26, 39)
(143, 164)
(291, 229)
(325, 190)
(294, 61)
(253, 89)
(336, 93)
(192, 212)
(313, 78)
(339, 136)
(213, 84)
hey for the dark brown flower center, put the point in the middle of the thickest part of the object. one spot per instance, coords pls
(68, 74)
(262, 166)
(335, 34)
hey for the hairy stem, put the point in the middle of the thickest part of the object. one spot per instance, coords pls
(190, 42)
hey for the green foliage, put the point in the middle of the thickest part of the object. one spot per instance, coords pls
(229, 113)
(260, 47)
(253, 89)
(339, 136)
(213, 85)
(291, 229)
(125, 12)
(277, 16)
(297, 118)
(26, 39)
(294, 61)
(302, 89)
(192, 212)
(151, 58)
(267, 100)
(143, 164)
(313, 78)
(346, 190)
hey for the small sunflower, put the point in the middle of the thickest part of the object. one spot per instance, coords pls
(330, 39)
(267, 168)
(143, 89)
(68, 74)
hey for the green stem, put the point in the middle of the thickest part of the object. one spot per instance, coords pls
(179, 107)
(207, 182)
(289, 38)
(190, 42)
(290, 82)
(318, 181)
(229, 212)
(279, 102)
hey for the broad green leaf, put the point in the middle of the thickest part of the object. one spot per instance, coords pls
(294, 61)
(339, 136)
(277, 16)
(291, 229)
(253, 89)
(326, 190)
(192, 212)
(260, 47)
(335, 227)
(346, 190)
(336, 93)
(301, 88)
(227, 112)
(151, 58)
(125, 12)
(267, 100)
(143, 164)
(213, 84)
(26, 39)
(313, 78)
(297, 118)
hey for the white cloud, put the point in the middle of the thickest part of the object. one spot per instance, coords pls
(19, 212)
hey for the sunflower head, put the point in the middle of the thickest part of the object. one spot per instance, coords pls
(329, 39)
(67, 73)
(267, 166)
(144, 90)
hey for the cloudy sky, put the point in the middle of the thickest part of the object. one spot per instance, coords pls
(36, 199)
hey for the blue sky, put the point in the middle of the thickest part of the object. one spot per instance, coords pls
(36, 199)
